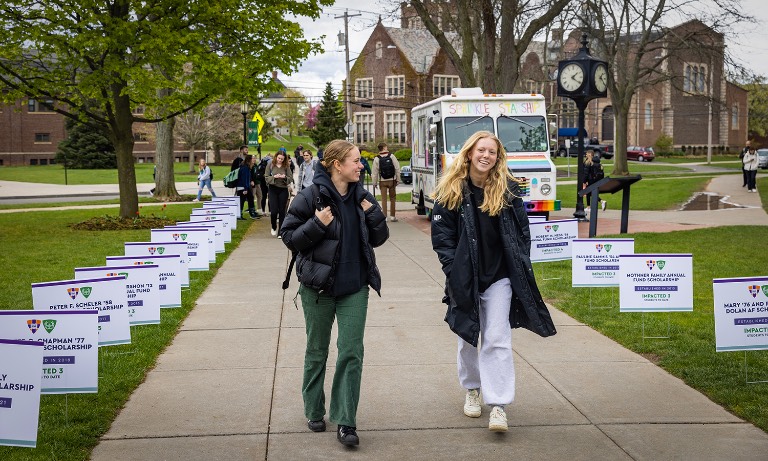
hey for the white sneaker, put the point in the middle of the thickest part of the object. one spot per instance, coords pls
(497, 422)
(195, 200)
(274, 232)
(392, 219)
(472, 406)
(604, 204)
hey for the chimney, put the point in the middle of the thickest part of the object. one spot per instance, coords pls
(274, 75)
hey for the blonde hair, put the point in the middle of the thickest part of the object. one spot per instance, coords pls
(450, 188)
(588, 155)
(338, 149)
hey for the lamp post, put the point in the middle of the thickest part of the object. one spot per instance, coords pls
(244, 111)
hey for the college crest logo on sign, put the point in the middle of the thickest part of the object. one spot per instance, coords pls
(547, 228)
(555, 227)
(33, 325)
(49, 325)
(608, 247)
(175, 236)
(86, 291)
(184, 237)
(151, 250)
(123, 273)
(661, 263)
(112, 274)
(72, 292)
(765, 290)
(650, 263)
(754, 290)
(599, 247)
(161, 250)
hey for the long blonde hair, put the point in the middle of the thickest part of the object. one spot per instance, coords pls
(588, 156)
(450, 188)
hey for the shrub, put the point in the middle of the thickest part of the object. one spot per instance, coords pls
(403, 155)
(664, 143)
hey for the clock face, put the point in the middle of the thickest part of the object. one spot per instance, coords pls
(571, 77)
(601, 78)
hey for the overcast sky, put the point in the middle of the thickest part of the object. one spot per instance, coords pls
(751, 47)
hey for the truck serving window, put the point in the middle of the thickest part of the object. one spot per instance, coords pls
(523, 134)
(459, 129)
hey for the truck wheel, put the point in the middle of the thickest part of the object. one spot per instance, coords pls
(421, 210)
(562, 153)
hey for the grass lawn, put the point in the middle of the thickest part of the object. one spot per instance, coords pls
(114, 201)
(646, 194)
(699, 159)
(689, 353)
(44, 248)
(54, 174)
(271, 146)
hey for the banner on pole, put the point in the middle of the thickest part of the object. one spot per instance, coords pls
(141, 289)
(70, 346)
(20, 384)
(107, 294)
(656, 283)
(595, 261)
(741, 313)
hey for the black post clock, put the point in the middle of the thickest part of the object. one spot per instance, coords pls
(582, 79)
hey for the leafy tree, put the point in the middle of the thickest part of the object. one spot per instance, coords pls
(86, 148)
(290, 112)
(758, 105)
(109, 52)
(330, 119)
(310, 118)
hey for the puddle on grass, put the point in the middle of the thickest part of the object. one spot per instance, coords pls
(707, 201)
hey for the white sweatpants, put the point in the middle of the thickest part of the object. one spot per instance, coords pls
(492, 367)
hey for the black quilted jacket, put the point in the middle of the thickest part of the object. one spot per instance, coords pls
(318, 245)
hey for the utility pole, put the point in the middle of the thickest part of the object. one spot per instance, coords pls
(347, 91)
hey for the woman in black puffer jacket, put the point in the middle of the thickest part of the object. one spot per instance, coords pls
(334, 225)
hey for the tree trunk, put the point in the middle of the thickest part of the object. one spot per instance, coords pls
(192, 159)
(620, 167)
(216, 154)
(121, 130)
(165, 184)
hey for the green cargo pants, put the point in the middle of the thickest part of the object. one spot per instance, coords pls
(319, 313)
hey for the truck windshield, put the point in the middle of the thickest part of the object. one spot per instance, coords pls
(459, 129)
(523, 134)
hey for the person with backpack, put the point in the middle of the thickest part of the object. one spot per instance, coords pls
(593, 172)
(257, 180)
(239, 159)
(260, 171)
(333, 227)
(385, 173)
(204, 178)
(278, 176)
(244, 187)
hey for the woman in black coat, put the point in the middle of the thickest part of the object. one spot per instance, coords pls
(334, 225)
(480, 234)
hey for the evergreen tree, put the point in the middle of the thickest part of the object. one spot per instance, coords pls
(330, 119)
(86, 147)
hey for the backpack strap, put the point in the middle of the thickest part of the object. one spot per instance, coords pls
(315, 199)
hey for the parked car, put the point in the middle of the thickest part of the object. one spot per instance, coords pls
(602, 150)
(406, 177)
(641, 154)
(762, 158)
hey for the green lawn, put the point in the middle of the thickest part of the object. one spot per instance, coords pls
(699, 159)
(44, 248)
(54, 174)
(271, 146)
(690, 353)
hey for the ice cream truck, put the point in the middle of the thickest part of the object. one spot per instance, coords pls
(440, 127)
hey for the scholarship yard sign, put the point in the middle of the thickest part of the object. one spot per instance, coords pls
(70, 342)
(222, 223)
(210, 238)
(741, 313)
(196, 240)
(551, 240)
(168, 282)
(20, 383)
(596, 261)
(218, 233)
(163, 248)
(106, 294)
(223, 213)
(656, 283)
(141, 289)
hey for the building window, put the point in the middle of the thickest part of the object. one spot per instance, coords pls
(364, 127)
(569, 114)
(394, 123)
(378, 50)
(42, 137)
(443, 84)
(364, 88)
(43, 161)
(40, 106)
(534, 87)
(395, 86)
(140, 137)
(735, 117)
(33, 161)
(138, 110)
(695, 78)
(648, 115)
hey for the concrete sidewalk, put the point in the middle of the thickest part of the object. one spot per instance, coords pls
(229, 387)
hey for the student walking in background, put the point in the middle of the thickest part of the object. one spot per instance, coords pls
(334, 226)
(385, 173)
(750, 162)
(306, 170)
(244, 187)
(278, 176)
(204, 178)
(481, 236)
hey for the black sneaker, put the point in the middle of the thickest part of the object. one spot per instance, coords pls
(347, 435)
(316, 426)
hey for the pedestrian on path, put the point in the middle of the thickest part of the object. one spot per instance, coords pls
(481, 236)
(204, 178)
(593, 172)
(306, 170)
(750, 162)
(244, 188)
(385, 173)
(333, 227)
(278, 176)
(744, 173)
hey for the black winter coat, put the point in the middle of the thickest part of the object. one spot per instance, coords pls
(454, 239)
(318, 245)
